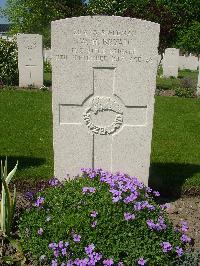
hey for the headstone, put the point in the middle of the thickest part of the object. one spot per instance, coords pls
(30, 60)
(188, 62)
(170, 62)
(104, 79)
(47, 55)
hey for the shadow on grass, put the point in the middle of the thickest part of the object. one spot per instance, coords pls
(23, 161)
(169, 178)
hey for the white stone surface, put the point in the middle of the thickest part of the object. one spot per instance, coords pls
(47, 55)
(170, 62)
(30, 60)
(188, 62)
(104, 79)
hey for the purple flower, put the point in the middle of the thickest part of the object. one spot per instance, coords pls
(40, 231)
(89, 249)
(165, 206)
(39, 201)
(54, 263)
(87, 190)
(56, 253)
(53, 246)
(94, 224)
(156, 193)
(108, 262)
(179, 251)
(54, 182)
(184, 227)
(120, 263)
(185, 239)
(150, 224)
(29, 195)
(94, 214)
(76, 238)
(64, 251)
(128, 216)
(70, 263)
(141, 261)
(60, 244)
(166, 247)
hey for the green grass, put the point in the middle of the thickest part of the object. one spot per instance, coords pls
(172, 83)
(26, 135)
(176, 144)
(26, 132)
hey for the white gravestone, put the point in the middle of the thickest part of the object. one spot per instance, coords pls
(104, 78)
(188, 62)
(170, 62)
(47, 55)
(30, 60)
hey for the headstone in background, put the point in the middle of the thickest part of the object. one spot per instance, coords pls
(159, 60)
(170, 62)
(47, 55)
(30, 60)
(104, 79)
(188, 62)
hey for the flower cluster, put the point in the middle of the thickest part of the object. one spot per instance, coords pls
(159, 226)
(39, 202)
(88, 190)
(137, 200)
(53, 182)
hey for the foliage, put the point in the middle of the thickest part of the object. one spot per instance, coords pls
(7, 202)
(191, 258)
(188, 38)
(102, 216)
(47, 67)
(8, 63)
(187, 82)
(185, 92)
(29, 16)
(173, 16)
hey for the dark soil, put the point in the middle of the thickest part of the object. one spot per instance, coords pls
(185, 208)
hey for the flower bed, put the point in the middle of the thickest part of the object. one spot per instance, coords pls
(101, 219)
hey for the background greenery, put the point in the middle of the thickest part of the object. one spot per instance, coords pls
(179, 19)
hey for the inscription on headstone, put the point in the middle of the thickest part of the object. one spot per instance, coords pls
(171, 62)
(30, 60)
(104, 74)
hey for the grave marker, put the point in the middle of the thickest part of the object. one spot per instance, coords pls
(104, 78)
(30, 60)
(171, 62)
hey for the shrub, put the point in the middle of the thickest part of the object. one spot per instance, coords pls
(185, 92)
(8, 63)
(187, 82)
(100, 219)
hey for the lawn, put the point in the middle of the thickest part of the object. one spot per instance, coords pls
(26, 135)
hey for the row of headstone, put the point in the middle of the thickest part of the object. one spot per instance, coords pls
(172, 62)
(190, 62)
